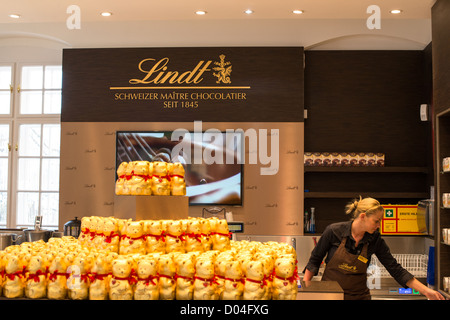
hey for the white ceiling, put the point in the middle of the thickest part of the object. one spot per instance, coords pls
(33, 11)
(326, 24)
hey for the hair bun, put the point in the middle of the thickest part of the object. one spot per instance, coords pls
(367, 205)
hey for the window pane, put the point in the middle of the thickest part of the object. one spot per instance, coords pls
(5, 102)
(5, 94)
(50, 175)
(3, 174)
(4, 140)
(50, 208)
(27, 207)
(5, 77)
(32, 77)
(52, 102)
(28, 174)
(31, 102)
(53, 77)
(51, 140)
(3, 206)
(30, 140)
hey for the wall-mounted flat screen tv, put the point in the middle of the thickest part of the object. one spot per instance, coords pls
(212, 160)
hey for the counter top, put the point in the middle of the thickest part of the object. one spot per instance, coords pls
(320, 290)
(320, 286)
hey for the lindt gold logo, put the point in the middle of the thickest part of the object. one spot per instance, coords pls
(224, 72)
(346, 267)
(158, 72)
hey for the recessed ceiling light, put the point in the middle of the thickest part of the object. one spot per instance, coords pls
(396, 11)
(106, 14)
(200, 12)
(298, 11)
(248, 11)
(14, 16)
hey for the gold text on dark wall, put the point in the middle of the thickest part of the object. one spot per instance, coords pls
(157, 72)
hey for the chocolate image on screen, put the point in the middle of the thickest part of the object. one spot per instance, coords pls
(213, 169)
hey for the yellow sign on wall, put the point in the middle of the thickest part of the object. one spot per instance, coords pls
(402, 220)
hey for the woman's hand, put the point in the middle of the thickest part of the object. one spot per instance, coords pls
(427, 292)
(433, 295)
(308, 275)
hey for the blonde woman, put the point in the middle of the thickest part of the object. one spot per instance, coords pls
(348, 247)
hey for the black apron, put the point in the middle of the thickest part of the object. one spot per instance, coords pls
(350, 271)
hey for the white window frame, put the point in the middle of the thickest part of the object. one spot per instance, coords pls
(11, 88)
(15, 119)
(8, 122)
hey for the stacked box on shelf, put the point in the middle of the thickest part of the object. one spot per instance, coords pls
(344, 159)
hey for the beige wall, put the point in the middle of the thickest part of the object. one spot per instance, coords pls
(272, 204)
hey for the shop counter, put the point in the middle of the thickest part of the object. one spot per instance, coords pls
(320, 290)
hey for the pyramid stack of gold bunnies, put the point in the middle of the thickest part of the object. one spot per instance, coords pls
(145, 178)
(118, 259)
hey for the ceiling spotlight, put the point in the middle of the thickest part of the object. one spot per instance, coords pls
(396, 11)
(14, 16)
(248, 11)
(106, 14)
(298, 11)
(200, 12)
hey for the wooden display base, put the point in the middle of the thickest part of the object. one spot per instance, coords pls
(151, 207)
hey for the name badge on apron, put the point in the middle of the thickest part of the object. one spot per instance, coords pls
(362, 259)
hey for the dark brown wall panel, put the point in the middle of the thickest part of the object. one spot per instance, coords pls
(441, 52)
(367, 101)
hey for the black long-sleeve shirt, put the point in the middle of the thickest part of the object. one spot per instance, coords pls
(332, 237)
